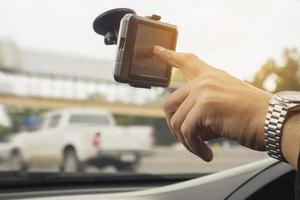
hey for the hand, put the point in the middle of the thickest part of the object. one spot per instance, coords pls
(213, 104)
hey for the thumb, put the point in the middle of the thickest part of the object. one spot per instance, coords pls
(188, 63)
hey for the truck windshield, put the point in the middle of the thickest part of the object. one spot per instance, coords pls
(88, 119)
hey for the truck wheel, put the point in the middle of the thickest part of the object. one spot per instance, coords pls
(125, 168)
(70, 162)
(16, 162)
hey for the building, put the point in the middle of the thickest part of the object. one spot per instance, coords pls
(38, 73)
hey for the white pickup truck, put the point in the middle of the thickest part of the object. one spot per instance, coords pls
(74, 138)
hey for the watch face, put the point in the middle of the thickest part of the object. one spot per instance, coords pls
(289, 96)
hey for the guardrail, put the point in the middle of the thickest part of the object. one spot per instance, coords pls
(52, 103)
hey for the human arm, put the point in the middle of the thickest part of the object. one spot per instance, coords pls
(215, 104)
(290, 143)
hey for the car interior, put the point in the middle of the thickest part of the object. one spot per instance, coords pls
(260, 180)
(83, 98)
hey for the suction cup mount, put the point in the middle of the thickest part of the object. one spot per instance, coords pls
(108, 23)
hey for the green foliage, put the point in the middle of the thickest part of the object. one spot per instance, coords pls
(17, 115)
(287, 75)
(4, 132)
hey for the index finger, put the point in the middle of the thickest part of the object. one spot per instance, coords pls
(188, 63)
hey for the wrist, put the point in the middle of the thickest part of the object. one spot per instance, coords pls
(259, 119)
(290, 141)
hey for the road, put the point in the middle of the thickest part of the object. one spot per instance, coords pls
(175, 159)
(179, 160)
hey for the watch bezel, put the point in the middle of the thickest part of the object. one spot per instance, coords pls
(284, 97)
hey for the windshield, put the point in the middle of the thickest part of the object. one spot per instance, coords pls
(88, 119)
(53, 64)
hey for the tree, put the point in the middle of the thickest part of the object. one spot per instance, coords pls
(287, 75)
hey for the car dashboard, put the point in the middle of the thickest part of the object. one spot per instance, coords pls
(266, 179)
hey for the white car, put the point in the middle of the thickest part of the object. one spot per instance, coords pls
(73, 138)
(5, 150)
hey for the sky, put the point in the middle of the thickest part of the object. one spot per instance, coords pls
(234, 35)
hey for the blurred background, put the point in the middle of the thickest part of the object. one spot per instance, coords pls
(60, 109)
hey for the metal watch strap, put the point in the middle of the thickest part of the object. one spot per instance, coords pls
(275, 119)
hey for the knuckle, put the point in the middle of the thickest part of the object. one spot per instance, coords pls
(208, 80)
(189, 57)
(208, 76)
(206, 86)
(205, 102)
(206, 92)
(185, 129)
(188, 137)
(208, 121)
(197, 90)
(175, 124)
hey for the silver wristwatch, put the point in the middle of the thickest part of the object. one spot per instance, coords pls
(280, 106)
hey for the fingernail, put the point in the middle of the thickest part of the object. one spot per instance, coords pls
(209, 154)
(158, 49)
(205, 153)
